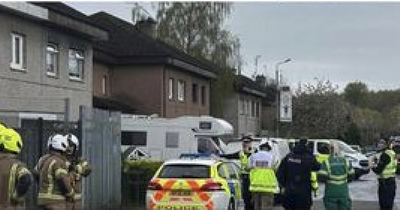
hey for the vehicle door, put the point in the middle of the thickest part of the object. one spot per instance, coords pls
(236, 184)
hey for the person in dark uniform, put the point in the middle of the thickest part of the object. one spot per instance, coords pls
(244, 156)
(294, 177)
(386, 172)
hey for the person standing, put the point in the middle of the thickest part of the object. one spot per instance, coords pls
(386, 172)
(336, 170)
(294, 176)
(15, 178)
(244, 156)
(78, 169)
(55, 187)
(263, 182)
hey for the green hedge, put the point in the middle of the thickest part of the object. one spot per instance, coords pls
(136, 176)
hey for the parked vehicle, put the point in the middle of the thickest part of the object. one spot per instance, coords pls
(356, 148)
(195, 183)
(164, 139)
(360, 162)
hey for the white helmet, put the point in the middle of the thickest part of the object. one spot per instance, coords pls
(72, 139)
(58, 142)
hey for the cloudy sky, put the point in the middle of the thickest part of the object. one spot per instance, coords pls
(342, 42)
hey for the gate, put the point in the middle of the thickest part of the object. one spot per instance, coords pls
(101, 146)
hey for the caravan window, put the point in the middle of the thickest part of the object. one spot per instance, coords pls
(172, 140)
(135, 138)
(206, 145)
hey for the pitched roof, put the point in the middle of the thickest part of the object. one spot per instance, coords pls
(130, 45)
(249, 86)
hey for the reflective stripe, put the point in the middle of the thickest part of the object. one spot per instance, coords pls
(50, 177)
(51, 196)
(78, 196)
(263, 180)
(11, 180)
(23, 172)
(337, 182)
(60, 172)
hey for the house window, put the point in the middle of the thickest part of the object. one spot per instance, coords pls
(242, 105)
(171, 88)
(203, 95)
(104, 85)
(51, 60)
(134, 138)
(181, 90)
(248, 108)
(75, 64)
(195, 93)
(18, 45)
(258, 108)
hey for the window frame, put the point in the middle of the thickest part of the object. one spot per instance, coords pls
(171, 92)
(104, 82)
(56, 53)
(21, 65)
(181, 93)
(195, 93)
(79, 55)
(203, 95)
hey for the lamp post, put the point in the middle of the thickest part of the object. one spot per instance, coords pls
(277, 76)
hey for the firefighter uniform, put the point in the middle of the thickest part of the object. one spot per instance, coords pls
(77, 172)
(386, 171)
(15, 178)
(263, 182)
(54, 184)
(336, 170)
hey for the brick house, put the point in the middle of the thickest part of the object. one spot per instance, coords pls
(45, 61)
(146, 75)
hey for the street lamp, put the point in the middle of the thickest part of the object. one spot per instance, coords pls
(277, 76)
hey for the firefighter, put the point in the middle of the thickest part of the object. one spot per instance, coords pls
(263, 182)
(243, 156)
(55, 188)
(336, 170)
(386, 172)
(79, 168)
(294, 176)
(15, 178)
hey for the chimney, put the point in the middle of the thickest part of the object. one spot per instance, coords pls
(147, 26)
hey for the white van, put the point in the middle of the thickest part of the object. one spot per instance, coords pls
(280, 147)
(359, 161)
(165, 139)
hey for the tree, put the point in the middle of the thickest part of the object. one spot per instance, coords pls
(319, 111)
(356, 93)
(197, 29)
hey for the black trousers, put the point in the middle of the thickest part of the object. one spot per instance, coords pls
(386, 193)
(248, 205)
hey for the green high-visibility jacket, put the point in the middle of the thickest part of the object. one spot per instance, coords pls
(336, 170)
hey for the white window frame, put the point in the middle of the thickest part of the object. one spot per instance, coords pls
(52, 52)
(21, 65)
(181, 90)
(171, 88)
(104, 84)
(79, 55)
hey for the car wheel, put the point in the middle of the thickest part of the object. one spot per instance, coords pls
(231, 205)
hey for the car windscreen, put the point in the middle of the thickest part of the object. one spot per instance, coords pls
(180, 171)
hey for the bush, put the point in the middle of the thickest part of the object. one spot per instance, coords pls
(135, 177)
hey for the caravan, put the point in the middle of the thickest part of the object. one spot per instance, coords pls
(165, 139)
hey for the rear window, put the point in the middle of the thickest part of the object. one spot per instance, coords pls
(185, 171)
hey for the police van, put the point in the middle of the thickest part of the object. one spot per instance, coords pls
(194, 182)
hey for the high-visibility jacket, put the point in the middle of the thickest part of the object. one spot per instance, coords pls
(53, 172)
(390, 169)
(337, 170)
(322, 157)
(244, 161)
(11, 170)
(314, 181)
(262, 173)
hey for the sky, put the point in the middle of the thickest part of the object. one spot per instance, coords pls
(341, 42)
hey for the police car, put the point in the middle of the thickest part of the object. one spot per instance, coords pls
(195, 183)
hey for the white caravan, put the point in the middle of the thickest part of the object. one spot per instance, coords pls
(164, 139)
